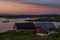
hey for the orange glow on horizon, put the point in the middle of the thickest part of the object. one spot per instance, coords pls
(26, 8)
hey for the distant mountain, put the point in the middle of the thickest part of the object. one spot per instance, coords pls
(14, 16)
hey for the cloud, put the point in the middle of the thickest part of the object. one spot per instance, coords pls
(42, 4)
(36, 1)
(27, 8)
(50, 3)
(12, 0)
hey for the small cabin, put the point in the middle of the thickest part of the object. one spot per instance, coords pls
(44, 29)
(25, 26)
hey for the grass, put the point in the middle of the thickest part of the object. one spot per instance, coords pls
(26, 35)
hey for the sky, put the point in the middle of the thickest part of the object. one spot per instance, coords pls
(29, 6)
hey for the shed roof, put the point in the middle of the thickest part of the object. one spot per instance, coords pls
(25, 25)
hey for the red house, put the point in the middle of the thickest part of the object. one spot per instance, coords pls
(44, 29)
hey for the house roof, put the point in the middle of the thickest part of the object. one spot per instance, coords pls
(46, 26)
(25, 25)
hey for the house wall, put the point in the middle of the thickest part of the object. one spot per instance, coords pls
(14, 27)
(41, 30)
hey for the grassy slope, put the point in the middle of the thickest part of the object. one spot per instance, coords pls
(26, 35)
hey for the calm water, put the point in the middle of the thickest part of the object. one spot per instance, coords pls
(9, 25)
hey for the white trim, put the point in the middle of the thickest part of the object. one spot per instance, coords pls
(42, 34)
(52, 32)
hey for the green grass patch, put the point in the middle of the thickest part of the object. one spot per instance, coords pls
(26, 35)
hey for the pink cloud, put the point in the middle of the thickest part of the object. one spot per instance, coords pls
(27, 8)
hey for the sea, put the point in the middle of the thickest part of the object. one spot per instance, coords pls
(6, 26)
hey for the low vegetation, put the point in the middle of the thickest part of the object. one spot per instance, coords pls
(26, 35)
